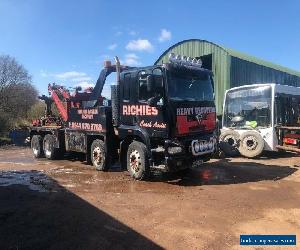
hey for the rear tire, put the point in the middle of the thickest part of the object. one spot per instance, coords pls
(50, 151)
(251, 144)
(37, 146)
(137, 161)
(98, 155)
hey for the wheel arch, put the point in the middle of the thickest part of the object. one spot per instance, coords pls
(91, 137)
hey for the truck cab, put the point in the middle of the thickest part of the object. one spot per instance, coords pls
(170, 109)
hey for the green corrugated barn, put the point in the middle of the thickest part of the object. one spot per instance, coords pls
(232, 68)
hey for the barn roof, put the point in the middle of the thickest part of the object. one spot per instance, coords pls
(236, 54)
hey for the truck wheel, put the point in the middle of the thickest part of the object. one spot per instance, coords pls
(137, 160)
(251, 144)
(98, 155)
(50, 151)
(229, 142)
(37, 146)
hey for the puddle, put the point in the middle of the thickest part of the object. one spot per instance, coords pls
(215, 176)
(204, 175)
(236, 172)
(64, 170)
(17, 160)
(34, 180)
(69, 185)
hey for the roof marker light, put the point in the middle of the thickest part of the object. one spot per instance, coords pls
(199, 62)
(184, 60)
(178, 57)
(189, 60)
(172, 57)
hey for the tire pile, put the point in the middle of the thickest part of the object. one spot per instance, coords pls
(249, 144)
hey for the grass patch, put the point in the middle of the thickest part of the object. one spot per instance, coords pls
(5, 141)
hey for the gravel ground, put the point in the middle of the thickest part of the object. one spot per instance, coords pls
(66, 204)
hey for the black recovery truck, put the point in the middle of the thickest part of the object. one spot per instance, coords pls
(159, 117)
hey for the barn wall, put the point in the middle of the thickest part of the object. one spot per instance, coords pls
(243, 72)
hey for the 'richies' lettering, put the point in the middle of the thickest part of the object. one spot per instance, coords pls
(139, 110)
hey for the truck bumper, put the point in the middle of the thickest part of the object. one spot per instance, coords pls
(177, 155)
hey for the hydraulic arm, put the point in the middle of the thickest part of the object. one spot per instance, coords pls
(55, 91)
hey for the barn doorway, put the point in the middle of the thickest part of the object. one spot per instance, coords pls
(206, 61)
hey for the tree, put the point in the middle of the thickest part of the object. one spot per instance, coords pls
(17, 94)
(18, 99)
(38, 110)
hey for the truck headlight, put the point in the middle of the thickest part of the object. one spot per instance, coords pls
(174, 150)
(201, 146)
(197, 146)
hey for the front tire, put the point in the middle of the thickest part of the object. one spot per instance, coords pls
(37, 146)
(98, 155)
(137, 160)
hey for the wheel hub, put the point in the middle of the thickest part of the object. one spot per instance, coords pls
(230, 140)
(250, 143)
(35, 148)
(47, 148)
(97, 155)
(135, 161)
(35, 151)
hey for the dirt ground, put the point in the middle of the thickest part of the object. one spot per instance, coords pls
(66, 204)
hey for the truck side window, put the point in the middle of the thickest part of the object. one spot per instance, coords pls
(144, 94)
(126, 87)
(157, 72)
(158, 79)
(158, 84)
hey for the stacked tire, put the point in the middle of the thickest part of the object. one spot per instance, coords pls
(249, 144)
(229, 142)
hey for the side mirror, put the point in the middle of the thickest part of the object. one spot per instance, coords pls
(149, 83)
(152, 102)
(79, 88)
(158, 82)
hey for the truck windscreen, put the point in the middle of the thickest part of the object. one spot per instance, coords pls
(190, 87)
(248, 107)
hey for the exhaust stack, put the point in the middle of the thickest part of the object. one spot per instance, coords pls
(118, 69)
(115, 96)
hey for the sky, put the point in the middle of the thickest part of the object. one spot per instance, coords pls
(67, 41)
